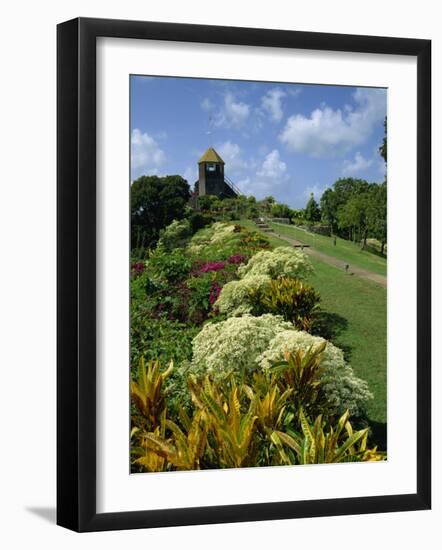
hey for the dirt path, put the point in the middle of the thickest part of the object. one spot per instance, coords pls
(358, 271)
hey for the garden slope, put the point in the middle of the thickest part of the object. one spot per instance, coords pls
(356, 315)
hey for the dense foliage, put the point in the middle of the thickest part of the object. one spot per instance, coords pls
(295, 300)
(356, 209)
(342, 388)
(312, 212)
(155, 203)
(235, 425)
(224, 371)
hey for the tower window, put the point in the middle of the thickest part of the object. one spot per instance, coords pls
(211, 167)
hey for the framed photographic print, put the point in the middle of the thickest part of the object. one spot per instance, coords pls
(230, 201)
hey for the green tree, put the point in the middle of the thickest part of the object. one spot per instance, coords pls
(155, 203)
(329, 208)
(377, 214)
(335, 198)
(281, 210)
(265, 205)
(312, 211)
(352, 216)
(208, 203)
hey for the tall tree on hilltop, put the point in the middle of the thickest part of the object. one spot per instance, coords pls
(155, 203)
(336, 197)
(281, 210)
(312, 212)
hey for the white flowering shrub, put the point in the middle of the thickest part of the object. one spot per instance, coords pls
(195, 248)
(221, 232)
(342, 389)
(214, 240)
(233, 345)
(175, 235)
(234, 299)
(283, 261)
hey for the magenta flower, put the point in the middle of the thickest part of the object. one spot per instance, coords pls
(138, 268)
(215, 289)
(212, 266)
(237, 259)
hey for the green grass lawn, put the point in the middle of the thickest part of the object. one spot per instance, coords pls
(356, 313)
(344, 250)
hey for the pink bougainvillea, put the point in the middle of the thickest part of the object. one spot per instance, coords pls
(237, 259)
(212, 266)
(138, 268)
(215, 289)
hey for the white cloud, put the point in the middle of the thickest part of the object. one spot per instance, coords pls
(269, 175)
(330, 132)
(272, 167)
(146, 155)
(382, 168)
(271, 102)
(235, 112)
(232, 114)
(232, 155)
(190, 175)
(356, 166)
(207, 105)
(245, 185)
(294, 92)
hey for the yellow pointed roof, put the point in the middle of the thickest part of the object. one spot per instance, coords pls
(211, 156)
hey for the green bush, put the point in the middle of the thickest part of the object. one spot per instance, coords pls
(342, 389)
(199, 304)
(233, 426)
(295, 300)
(175, 235)
(145, 285)
(172, 266)
(198, 221)
(160, 339)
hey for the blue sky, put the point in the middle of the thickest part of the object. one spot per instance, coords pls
(285, 140)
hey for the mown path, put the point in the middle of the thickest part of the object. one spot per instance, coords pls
(358, 271)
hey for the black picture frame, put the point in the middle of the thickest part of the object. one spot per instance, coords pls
(76, 273)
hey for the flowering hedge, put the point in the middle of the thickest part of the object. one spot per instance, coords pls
(237, 259)
(242, 345)
(233, 345)
(343, 390)
(234, 299)
(283, 261)
(175, 235)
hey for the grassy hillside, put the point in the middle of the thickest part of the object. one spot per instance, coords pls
(356, 314)
(344, 250)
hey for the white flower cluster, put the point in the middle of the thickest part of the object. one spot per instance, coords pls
(175, 234)
(283, 261)
(217, 233)
(222, 232)
(233, 345)
(341, 387)
(234, 299)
